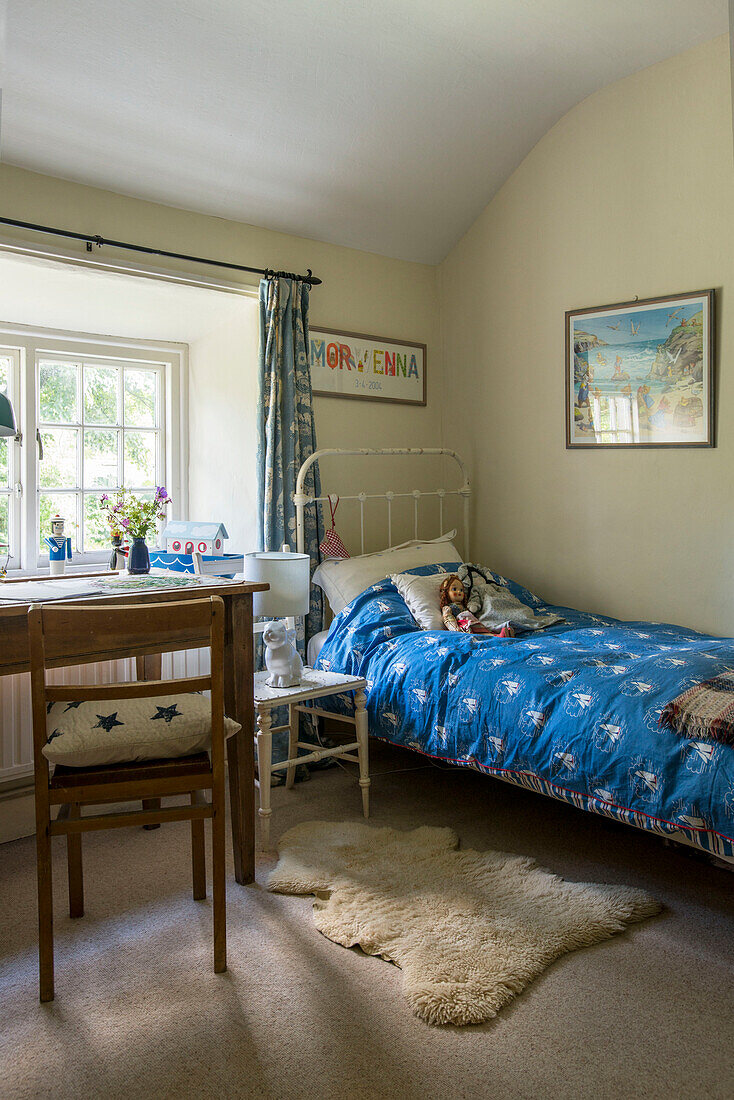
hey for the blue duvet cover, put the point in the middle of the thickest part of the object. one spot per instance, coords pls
(571, 711)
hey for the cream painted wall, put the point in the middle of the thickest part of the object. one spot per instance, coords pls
(361, 292)
(631, 193)
(223, 391)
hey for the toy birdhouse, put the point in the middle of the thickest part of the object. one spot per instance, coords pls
(189, 537)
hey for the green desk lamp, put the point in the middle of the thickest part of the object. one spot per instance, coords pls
(7, 420)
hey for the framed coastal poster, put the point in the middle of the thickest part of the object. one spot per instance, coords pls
(350, 364)
(640, 374)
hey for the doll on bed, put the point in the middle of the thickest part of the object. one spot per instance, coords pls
(456, 616)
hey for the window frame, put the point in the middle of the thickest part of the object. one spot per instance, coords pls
(13, 492)
(169, 358)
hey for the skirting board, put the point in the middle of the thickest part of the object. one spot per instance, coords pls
(17, 815)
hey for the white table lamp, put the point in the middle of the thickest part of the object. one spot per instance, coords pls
(289, 577)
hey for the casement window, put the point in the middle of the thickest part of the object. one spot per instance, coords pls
(93, 418)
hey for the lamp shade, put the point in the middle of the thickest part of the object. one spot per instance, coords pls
(7, 420)
(289, 577)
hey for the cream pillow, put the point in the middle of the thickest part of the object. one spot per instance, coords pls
(421, 594)
(342, 581)
(113, 731)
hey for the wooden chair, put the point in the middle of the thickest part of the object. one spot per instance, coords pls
(146, 628)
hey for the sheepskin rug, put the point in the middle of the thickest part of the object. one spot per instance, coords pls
(468, 929)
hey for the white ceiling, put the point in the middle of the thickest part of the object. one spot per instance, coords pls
(385, 125)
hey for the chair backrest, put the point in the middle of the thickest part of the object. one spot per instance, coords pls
(84, 632)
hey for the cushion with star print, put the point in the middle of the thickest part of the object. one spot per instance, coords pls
(113, 731)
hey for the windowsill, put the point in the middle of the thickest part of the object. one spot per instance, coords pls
(100, 566)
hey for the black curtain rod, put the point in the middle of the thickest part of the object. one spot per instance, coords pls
(99, 241)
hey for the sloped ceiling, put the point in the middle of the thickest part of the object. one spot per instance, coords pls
(386, 126)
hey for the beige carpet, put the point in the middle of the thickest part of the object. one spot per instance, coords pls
(139, 1013)
(470, 930)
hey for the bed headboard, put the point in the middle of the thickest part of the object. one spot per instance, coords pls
(303, 501)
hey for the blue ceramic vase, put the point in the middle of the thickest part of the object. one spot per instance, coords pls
(138, 559)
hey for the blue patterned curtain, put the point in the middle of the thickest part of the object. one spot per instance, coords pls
(286, 430)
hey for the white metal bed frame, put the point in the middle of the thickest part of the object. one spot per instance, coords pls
(302, 500)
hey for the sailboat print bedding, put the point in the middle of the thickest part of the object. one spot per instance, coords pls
(571, 712)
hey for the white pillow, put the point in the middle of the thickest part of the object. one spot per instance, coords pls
(315, 645)
(342, 581)
(113, 731)
(422, 595)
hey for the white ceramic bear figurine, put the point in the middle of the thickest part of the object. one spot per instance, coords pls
(282, 660)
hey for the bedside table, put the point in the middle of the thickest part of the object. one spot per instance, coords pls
(314, 684)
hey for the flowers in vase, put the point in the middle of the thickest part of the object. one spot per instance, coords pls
(131, 515)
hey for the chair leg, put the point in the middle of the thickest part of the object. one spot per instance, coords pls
(45, 914)
(74, 861)
(152, 804)
(198, 850)
(219, 883)
(264, 762)
(360, 722)
(293, 725)
(148, 667)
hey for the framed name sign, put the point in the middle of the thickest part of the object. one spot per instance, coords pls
(350, 364)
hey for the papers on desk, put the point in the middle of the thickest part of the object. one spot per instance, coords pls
(156, 580)
(71, 588)
(42, 591)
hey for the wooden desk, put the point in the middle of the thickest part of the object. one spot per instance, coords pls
(238, 684)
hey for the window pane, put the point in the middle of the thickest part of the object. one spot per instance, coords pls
(4, 373)
(58, 470)
(61, 504)
(140, 448)
(100, 395)
(58, 392)
(100, 459)
(96, 530)
(140, 398)
(4, 463)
